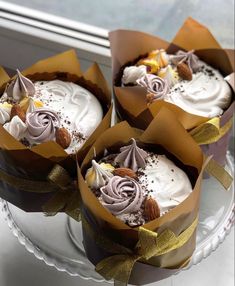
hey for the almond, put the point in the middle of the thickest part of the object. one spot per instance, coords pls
(16, 110)
(184, 71)
(63, 138)
(151, 209)
(122, 172)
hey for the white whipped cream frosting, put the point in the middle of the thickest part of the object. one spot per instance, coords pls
(133, 73)
(165, 182)
(5, 113)
(207, 94)
(16, 127)
(78, 109)
(204, 95)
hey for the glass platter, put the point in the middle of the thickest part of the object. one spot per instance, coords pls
(58, 240)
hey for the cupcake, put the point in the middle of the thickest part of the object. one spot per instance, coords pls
(192, 76)
(141, 189)
(137, 185)
(181, 79)
(53, 110)
(50, 115)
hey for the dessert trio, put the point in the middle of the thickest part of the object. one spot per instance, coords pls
(135, 184)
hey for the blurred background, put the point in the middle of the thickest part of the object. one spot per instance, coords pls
(159, 17)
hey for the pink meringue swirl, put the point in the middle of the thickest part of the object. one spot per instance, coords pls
(154, 85)
(189, 57)
(122, 195)
(42, 124)
(20, 87)
(131, 156)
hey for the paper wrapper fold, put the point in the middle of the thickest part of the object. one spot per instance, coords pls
(100, 225)
(36, 163)
(128, 46)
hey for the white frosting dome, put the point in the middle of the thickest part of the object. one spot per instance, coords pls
(159, 178)
(207, 94)
(168, 184)
(79, 110)
(16, 127)
(203, 92)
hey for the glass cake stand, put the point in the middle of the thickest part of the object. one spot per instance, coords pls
(58, 240)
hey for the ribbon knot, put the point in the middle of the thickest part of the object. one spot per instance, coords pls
(119, 266)
(58, 182)
(61, 178)
(66, 197)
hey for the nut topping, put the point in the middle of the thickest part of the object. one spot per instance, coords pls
(123, 172)
(151, 209)
(63, 138)
(16, 110)
(184, 71)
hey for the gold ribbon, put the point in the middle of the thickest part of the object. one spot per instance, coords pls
(27, 185)
(210, 131)
(218, 172)
(58, 182)
(119, 266)
(66, 199)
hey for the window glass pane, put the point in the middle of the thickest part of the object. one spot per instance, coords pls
(161, 17)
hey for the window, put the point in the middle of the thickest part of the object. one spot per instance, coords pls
(33, 29)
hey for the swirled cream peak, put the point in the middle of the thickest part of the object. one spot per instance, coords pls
(169, 75)
(19, 88)
(132, 73)
(122, 195)
(155, 85)
(131, 156)
(41, 125)
(189, 57)
(5, 112)
(99, 174)
(16, 127)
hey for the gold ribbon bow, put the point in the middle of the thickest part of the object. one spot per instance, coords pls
(58, 182)
(66, 198)
(119, 266)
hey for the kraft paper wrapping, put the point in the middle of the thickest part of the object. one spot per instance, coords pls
(37, 162)
(128, 46)
(186, 153)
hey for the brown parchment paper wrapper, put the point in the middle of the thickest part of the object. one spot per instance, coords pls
(175, 141)
(35, 163)
(127, 46)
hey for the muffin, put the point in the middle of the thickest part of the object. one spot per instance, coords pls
(136, 185)
(54, 110)
(50, 115)
(193, 76)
